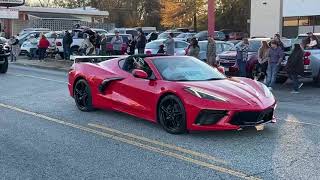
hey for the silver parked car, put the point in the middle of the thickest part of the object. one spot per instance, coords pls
(153, 47)
(221, 46)
(185, 37)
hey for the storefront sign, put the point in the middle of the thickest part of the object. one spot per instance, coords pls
(11, 3)
(8, 13)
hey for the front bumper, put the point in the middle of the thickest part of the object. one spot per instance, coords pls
(208, 117)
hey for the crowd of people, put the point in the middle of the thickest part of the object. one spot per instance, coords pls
(270, 57)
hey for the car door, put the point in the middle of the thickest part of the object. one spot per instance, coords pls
(180, 48)
(136, 96)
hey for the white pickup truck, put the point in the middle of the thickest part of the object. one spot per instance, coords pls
(311, 63)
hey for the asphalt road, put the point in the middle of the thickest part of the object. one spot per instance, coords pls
(44, 136)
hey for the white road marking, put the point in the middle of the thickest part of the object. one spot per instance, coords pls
(36, 77)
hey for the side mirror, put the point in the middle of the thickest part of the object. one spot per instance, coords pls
(139, 74)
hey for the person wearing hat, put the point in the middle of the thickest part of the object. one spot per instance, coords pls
(117, 42)
(141, 42)
(33, 47)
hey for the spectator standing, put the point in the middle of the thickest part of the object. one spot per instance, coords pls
(263, 59)
(194, 48)
(211, 52)
(131, 46)
(117, 42)
(43, 46)
(275, 58)
(98, 43)
(161, 49)
(15, 48)
(33, 47)
(169, 43)
(295, 67)
(277, 38)
(103, 45)
(242, 57)
(141, 42)
(67, 41)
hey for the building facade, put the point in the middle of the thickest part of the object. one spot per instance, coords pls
(287, 17)
(13, 20)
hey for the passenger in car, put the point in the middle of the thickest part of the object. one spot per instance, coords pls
(313, 43)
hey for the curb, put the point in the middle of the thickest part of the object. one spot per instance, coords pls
(40, 67)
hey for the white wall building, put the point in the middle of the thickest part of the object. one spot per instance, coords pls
(289, 17)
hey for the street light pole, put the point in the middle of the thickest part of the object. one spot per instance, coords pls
(211, 17)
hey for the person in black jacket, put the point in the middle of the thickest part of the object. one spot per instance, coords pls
(295, 67)
(131, 46)
(141, 42)
(67, 41)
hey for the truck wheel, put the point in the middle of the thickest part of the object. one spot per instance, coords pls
(281, 79)
(4, 67)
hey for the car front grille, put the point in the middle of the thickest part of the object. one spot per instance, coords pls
(251, 118)
(210, 117)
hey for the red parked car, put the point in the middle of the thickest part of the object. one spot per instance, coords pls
(181, 93)
(124, 47)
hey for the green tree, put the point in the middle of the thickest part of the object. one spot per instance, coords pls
(233, 14)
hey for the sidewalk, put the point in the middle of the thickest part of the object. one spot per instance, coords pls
(53, 64)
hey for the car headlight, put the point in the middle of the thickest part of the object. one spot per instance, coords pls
(266, 91)
(201, 93)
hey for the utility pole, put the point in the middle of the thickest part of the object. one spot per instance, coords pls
(211, 17)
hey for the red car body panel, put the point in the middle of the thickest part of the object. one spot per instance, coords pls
(140, 97)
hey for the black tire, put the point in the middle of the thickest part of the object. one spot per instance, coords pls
(316, 80)
(172, 115)
(281, 79)
(82, 96)
(4, 67)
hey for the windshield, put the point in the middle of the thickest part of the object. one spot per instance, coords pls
(203, 45)
(186, 69)
(125, 38)
(154, 45)
(182, 35)
(254, 46)
(166, 34)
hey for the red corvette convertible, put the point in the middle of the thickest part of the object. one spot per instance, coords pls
(180, 93)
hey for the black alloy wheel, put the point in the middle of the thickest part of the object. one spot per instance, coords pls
(82, 96)
(4, 67)
(172, 115)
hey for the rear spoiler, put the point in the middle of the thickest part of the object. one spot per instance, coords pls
(94, 59)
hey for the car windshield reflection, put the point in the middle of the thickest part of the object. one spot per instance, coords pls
(186, 69)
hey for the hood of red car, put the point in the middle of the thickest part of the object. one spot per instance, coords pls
(237, 91)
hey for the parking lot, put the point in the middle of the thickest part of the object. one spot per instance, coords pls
(44, 136)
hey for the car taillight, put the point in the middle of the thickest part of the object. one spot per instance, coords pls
(307, 60)
(58, 43)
